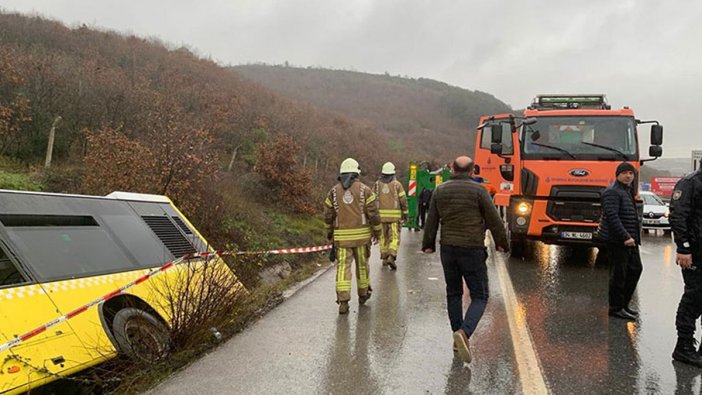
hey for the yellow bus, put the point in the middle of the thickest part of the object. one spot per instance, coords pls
(59, 252)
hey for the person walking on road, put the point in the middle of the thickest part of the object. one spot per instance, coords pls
(392, 205)
(351, 220)
(424, 200)
(463, 208)
(686, 223)
(620, 230)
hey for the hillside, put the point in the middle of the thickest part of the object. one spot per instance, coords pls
(136, 114)
(423, 115)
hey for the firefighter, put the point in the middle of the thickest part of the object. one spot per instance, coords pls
(392, 204)
(352, 222)
(686, 223)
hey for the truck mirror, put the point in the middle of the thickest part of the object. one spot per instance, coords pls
(496, 136)
(496, 149)
(476, 169)
(656, 135)
(655, 150)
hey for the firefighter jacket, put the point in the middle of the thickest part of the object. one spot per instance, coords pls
(392, 200)
(351, 215)
(686, 215)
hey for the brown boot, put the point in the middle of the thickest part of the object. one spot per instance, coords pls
(461, 340)
(344, 307)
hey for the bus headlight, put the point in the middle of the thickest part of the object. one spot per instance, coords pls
(523, 208)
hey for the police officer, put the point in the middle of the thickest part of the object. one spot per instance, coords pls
(686, 223)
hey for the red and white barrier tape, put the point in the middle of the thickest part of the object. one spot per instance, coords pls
(198, 255)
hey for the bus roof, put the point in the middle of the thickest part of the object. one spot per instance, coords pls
(117, 195)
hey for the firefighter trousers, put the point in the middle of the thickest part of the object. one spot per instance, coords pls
(345, 258)
(389, 239)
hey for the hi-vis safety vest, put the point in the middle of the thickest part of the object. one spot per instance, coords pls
(392, 201)
(352, 214)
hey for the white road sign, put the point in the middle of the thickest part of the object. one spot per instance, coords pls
(696, 159)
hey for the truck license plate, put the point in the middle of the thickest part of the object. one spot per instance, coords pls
(577, 235)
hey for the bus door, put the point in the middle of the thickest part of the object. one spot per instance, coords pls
(24, 307)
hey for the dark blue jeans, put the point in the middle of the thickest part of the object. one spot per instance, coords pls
(465, 264)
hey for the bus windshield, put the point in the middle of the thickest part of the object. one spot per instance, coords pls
(581, 138)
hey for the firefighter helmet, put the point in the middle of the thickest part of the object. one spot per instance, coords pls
(349, 165)
(388, 168)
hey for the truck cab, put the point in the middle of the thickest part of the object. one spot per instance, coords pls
(551, 165)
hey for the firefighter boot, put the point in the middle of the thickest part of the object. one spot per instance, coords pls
(685, 352)
(391, 262)
(344, 307)
(364, 298)
(384, 260)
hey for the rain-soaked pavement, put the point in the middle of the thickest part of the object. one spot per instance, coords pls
(545, 329)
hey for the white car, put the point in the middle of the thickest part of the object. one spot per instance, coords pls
(655, 211)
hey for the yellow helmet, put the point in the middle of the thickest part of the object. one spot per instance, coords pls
(388, 168)
(349, 165)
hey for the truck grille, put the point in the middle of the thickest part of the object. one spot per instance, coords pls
(575, 204)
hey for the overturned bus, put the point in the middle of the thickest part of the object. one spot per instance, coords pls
(64, 263)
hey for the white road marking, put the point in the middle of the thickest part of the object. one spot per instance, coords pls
(530, 375)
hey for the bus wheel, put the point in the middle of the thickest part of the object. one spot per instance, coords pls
(140, 335)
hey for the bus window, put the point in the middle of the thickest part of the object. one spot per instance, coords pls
(9, 275)
(71, 246)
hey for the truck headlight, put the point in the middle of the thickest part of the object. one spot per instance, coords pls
(523, 208)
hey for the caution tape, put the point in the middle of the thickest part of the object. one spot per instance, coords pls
(197, 255)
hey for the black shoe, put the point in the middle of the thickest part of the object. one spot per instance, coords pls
(363, 299)
(632, 312)
(622, 314)
(391, 263)
(685, 352)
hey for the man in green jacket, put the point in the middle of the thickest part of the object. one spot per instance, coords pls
(463, 208)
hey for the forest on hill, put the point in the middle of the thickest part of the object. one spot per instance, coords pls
(432, 119)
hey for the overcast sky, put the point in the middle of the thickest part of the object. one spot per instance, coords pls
(646, 54)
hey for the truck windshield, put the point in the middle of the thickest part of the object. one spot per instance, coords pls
(582, 138)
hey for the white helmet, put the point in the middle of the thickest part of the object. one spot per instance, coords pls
(349, 165)
(388, 168)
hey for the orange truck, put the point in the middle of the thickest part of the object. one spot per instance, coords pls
(551, 165)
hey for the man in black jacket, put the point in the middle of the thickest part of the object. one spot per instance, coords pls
(424, 199)
(686, 223)
(620, 230)
(463, 208)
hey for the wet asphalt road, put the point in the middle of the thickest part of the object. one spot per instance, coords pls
(551, 306)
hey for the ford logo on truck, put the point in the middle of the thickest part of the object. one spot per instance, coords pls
(579, 173)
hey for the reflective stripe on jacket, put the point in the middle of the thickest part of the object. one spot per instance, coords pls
(392, 200)
(351, 215)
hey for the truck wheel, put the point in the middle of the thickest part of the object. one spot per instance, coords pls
(140, 335)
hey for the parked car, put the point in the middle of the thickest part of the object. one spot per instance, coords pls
(655, 212)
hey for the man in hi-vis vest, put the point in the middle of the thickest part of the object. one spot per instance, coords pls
(392, 205)
(352, 221)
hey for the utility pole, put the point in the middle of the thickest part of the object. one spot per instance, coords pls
(50, 147)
